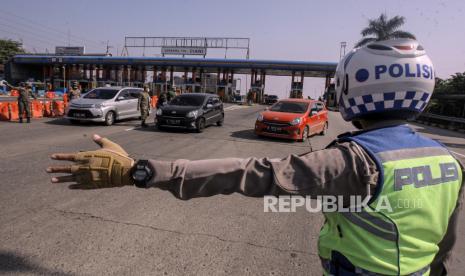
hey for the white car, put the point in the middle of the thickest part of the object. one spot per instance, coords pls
(105, 104)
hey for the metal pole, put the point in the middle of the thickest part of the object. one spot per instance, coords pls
(64, 78)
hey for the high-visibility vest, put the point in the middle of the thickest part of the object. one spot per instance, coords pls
(399, 230)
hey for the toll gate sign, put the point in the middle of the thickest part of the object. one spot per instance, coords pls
(195, 51)
(69, 51)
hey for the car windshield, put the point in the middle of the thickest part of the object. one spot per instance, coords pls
(290, 107)
(103, 94)
(188, 100)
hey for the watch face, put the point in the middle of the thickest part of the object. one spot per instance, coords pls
(140, 175)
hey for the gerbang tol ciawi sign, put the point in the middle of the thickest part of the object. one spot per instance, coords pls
(201, 51)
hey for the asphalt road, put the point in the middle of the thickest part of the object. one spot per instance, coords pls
(49, 229)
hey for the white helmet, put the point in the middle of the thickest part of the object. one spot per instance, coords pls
(391, 79)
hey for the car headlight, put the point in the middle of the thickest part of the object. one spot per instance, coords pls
(159, 112)
(260, 118)
(296, 121)
(192, 114)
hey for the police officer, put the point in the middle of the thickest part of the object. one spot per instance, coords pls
(143, 104)
(379, 87)
(74, 92)
(170, 95)
(162, 100)
(24, 102)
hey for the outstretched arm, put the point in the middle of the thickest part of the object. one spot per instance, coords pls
(336, 171)
(341, 170)
(11, 86)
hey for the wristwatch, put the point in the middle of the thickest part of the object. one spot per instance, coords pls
(141, 173)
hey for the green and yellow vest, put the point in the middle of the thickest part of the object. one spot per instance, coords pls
(398, 231)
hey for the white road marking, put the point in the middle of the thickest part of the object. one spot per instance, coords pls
(459, 154)
(234, 107)
(128, 129)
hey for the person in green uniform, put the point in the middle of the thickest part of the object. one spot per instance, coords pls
(143, 105)
(24, 102)
(170, 95)
(74, 92)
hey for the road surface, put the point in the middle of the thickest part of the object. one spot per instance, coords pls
(49, 229)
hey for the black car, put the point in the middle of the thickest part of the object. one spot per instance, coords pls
(271, 99)
(191, 111)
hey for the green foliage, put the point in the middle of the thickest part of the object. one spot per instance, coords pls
(453, 85)
(9, 48)
(383, 28)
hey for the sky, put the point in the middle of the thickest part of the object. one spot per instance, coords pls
(280, 30)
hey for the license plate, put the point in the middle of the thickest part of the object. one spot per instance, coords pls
(80, 115)
(275, 129)
(173, 122)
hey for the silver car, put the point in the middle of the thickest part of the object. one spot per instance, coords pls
(105, 104)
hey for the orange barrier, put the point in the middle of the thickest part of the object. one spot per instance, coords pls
(14, 111)
(154, 101)
(65, 97)
(47, 108)
(58, 108)
(37, 109)
(49, 94)
(4, 111)
(14, 93)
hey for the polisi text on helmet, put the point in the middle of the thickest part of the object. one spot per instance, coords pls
(407, 70)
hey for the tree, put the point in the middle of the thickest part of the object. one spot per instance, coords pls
(457, 83)
(453, 85)
(383, 28)
(9, 48)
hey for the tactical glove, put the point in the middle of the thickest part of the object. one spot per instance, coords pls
(103, 168)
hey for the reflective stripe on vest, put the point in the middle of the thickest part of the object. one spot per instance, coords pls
(412, 169)
(384, 230)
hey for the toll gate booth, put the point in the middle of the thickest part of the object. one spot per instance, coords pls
(257, 86)
(297, 86)
(95, 71)
(192, 83)
(222, 90)
(225, 85)
(160, 82)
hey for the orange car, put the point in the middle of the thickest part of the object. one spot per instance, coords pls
(295, 119)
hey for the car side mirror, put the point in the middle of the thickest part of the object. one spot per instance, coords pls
(313, 112)
(209, 106)
(120, 98)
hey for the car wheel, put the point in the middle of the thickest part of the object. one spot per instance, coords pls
(221, 121)
(109, 118)
(200, 125)
(304, 134)
(325, 129)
